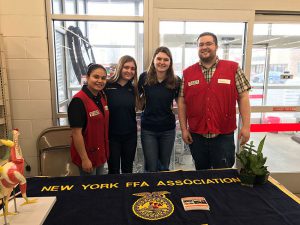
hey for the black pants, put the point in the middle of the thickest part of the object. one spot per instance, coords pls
(122, 148)
(213, 153)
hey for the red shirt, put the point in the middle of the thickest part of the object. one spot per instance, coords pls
(210, 107)
(96, 133)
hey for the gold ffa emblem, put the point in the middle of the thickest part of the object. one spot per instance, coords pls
(153, 206)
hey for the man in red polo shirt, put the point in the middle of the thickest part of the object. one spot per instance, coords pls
(207, 101)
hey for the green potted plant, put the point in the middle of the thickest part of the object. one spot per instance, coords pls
(253, 169)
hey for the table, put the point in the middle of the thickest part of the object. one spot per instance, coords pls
(127, 200)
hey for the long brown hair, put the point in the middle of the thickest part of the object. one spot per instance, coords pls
(118, 73)
(151, 78)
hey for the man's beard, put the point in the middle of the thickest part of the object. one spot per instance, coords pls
(208, 59)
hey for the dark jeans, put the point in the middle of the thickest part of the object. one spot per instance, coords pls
(157, 149)
(122, 148)
(218, 152)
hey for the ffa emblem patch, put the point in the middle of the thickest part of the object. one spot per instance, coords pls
(153, 206)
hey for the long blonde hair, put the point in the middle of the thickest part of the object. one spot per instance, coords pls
(118, 73)
(151, 78)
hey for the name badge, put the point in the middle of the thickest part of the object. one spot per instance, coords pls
(193, 82)
(94, 113)
(106, 107)
(224, 81)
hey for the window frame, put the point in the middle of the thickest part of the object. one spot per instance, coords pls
(50, 18)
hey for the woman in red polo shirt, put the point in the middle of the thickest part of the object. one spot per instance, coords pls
(88, 118)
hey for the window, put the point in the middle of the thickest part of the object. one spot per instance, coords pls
(181, 37)
(274, 70)
(79, 42)
(276, 86)
(99, 7)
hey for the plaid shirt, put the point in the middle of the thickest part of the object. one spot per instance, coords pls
(241, 82)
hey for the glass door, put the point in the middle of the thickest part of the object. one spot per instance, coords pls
(179, 30)
(275, 80)
(267, 51)
(181, 38)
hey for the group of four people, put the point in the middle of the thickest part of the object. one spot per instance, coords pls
(103, 114)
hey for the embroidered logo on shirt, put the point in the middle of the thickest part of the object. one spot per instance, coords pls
(193, 82)
(94, 113)
(223, 81)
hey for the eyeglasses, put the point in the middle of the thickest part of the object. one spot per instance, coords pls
(207, 44)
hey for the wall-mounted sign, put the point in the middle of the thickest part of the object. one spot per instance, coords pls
(286, 75)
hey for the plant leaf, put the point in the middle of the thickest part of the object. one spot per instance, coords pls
(261, 145)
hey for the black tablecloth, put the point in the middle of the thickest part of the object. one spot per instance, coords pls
(109, 199)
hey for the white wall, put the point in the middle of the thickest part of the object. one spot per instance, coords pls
(23, 25)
